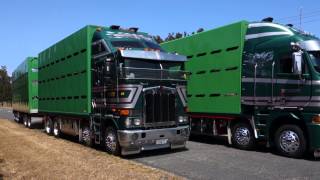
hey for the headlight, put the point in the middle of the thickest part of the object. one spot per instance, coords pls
(137, 122)
(183, 119)
(127, 122)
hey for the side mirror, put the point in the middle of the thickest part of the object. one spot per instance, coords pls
(297, 62)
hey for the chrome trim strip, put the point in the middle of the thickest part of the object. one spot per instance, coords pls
(260, 35)
(150, 88)
(155, 79)
(253, 25)
(182, 94)
(280, 81)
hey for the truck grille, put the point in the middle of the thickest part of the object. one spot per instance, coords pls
(160, 108)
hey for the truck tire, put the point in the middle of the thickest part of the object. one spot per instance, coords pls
(25, 120)
(29, 124)
(48, 126)
(290, 141)
(86, 138)
(110, 141)
(242, 136)
(56, 129)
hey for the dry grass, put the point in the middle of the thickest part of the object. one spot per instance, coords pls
(30, 154)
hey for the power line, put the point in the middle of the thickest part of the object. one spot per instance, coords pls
(297, 16)
(315, 20)
(302, 18)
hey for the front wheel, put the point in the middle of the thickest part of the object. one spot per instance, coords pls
(111, 143)
(290, 141)
(242, 136)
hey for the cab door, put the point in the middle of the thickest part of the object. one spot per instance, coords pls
(293, 88)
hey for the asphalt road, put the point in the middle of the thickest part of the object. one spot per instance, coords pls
(208, 158)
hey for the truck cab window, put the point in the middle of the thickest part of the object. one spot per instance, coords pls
(99, 47)
(286, 65)
(315, 59)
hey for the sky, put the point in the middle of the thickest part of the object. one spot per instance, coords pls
(29, 26)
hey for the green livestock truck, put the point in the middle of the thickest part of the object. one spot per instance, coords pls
(254, 82)
(114, 87)
(25, 92)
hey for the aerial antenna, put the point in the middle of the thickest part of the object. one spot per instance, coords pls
(300, 17)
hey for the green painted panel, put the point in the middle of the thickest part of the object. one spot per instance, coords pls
(215, 64)
(25, 86)
(65, 74)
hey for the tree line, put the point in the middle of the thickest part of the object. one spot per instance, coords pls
(173, 36)
(5, 85)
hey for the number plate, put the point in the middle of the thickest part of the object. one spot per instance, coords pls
(161, 141)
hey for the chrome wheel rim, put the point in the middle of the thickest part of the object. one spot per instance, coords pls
(48, 129)
(110, 141)
(289, 141)
(25, 121)
(56, 129)
(86, 135)
(29, 122)
(242, 136)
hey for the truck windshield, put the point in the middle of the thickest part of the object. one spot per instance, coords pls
(150, 69)
(127, 44)
(136, 44)
(315, 59)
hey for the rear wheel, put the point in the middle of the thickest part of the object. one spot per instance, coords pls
(242, 136)
(111, 143)
(29, 125)
(290, 141)
(48, 127)
(86, 136)
(25, 121)
(56, 129)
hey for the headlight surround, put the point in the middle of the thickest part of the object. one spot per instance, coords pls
(132, 122)
(182, 119)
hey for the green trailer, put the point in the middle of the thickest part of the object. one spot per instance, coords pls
(25, 92)
(113, 87)
(254, 82)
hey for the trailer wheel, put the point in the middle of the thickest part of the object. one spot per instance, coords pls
(111, 142)
(29, 125)
(86, 136)
(290, 141)
(56, 129)
(242, 136)
(48, 126)
(25, 120)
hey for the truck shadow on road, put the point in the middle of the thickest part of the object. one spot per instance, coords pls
(260, 147)
(153, 153)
